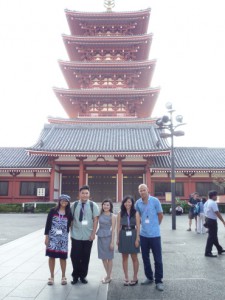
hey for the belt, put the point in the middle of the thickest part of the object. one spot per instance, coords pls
(125, 227)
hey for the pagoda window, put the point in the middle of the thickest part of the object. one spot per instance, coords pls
(161, 188)
(4, 187)
(107, 81)
(29, 188)
(108, 56)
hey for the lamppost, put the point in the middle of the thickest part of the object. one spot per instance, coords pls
(165, 124)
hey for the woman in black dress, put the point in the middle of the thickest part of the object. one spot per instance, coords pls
(56, 236)
(128, 230)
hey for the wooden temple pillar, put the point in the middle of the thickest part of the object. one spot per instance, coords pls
(119, 178)
(14, 189)
(82, 180)
(191, 184)
(52, 178)
(148, 178)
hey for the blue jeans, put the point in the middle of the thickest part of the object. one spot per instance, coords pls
(153, 244)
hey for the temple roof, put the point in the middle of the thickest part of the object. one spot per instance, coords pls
(198, 159)
(143, 100)
(12, 159)
(138, 73)
(79, 46)
(193, 159)
(80, 21)
(83, 139)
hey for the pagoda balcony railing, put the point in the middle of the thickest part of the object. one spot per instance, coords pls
(108, 114)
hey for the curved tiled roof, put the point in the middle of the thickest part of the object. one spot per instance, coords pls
(193, 158)
(186, 159)
(105, 137)
(17, 158)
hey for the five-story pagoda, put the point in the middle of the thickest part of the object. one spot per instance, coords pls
(109, 140)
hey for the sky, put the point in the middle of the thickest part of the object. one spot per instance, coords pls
(188, 43)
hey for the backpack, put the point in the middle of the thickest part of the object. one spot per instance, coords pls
(91, 205)
(197, 209)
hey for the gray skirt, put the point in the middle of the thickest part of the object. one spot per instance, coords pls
(104, 251)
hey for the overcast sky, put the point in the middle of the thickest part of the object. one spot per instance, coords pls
(188, 43)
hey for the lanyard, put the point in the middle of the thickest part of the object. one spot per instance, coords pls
(145, 210)
(128, 220)
(60, 218)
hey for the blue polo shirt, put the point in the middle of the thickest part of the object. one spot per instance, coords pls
(149, 211)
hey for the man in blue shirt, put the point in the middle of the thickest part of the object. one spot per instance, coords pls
(151, 215)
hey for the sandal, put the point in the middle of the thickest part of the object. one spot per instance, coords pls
(50, 281)
(133, 282)
(106, 280)
(126, 282)
(64, 281)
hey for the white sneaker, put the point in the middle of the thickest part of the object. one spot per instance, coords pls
(160, 286)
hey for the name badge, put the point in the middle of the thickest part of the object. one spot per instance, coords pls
(84, 222)
(147, 221)
(129, 233)
(59, 232)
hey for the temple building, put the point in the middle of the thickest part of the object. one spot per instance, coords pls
(110, 140)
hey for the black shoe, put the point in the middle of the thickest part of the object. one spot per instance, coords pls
(83, 280)
(74, 281)
(210, 255)
(221, 252)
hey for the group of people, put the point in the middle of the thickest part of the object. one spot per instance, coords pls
(205, 212)
(136, 227)
(196, 212)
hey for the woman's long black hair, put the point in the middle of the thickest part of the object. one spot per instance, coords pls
(123, 208)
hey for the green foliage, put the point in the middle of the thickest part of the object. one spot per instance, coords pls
(183, 204)
(41, 207)
(166, 206)
(11, 207)
(221, 207)
(44, 207)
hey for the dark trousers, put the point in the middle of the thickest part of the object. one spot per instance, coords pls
(212, 236)
(153, 244)
(80, 256)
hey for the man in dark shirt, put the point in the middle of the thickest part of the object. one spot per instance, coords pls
(191, 215)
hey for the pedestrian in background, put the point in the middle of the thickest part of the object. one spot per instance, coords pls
(211, 214)
(201, 216)
(128, 228)
(56, 236)
(106, 235)
(191, 215)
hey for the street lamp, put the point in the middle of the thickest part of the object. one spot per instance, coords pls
(168, 129)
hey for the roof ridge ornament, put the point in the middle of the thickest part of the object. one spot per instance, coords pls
(109, 4)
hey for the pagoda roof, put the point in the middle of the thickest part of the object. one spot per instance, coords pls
(16, 159)
(192, 159)
(77, 20)
(95, 139)
(72, 70)
(72, 98)
(139, 43)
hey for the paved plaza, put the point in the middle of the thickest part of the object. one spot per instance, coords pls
(187, 273)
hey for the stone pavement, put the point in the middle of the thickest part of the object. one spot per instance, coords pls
(24, 273)
(188, 274)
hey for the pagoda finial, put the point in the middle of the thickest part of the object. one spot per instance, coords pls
(109, 4)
